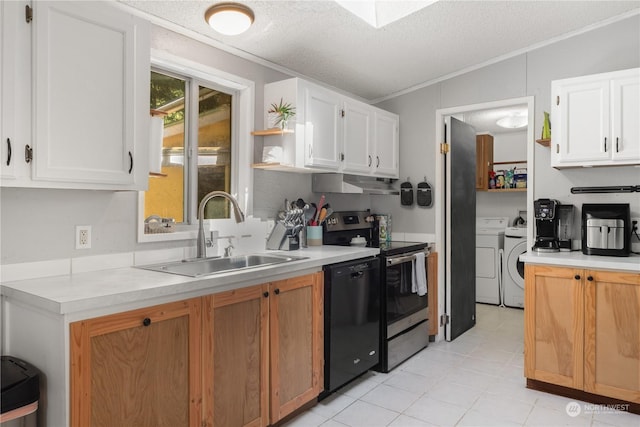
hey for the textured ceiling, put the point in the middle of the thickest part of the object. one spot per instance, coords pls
(323, 41)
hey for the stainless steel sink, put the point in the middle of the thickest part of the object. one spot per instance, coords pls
(209, 266)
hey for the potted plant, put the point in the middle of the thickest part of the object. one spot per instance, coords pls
(282, 112)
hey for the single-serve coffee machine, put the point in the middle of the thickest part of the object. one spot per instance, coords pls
(545, 212)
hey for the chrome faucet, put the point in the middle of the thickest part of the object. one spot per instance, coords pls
(201, 251)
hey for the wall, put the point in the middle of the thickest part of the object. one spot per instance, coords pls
(610, 48)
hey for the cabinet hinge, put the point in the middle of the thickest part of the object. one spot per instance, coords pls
(444, 319)
(444, 148)
(558, 100)
(342, 157)
(341, 113)
(28, 13)
(28, 153)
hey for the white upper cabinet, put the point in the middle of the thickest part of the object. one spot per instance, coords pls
(595, 120)
(15, 91)
(89, 79)
(386, 144)
(322, 132)
(332, 133)
(358, 138)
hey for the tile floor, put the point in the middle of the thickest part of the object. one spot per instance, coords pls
(475, 380)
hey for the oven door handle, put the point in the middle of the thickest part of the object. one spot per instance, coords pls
(404, 258)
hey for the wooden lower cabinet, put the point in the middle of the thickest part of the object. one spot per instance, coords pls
(582, 330)
(554, 325)
(262, 351)
(612, 334)
(236, 357)
(246, 357)
(296, 332)
(138, 368)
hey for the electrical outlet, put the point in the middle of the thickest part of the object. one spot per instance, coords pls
(83, 237)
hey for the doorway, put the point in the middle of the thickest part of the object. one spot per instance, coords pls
(450, 326)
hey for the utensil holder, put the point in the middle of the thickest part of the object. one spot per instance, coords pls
(314, 235)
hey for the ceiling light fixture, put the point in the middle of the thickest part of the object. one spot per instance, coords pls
(229, 19)
(513, 122)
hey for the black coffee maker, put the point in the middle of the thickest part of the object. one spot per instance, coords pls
(546, 214)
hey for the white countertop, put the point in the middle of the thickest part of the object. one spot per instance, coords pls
(84, 292)
(580, 260)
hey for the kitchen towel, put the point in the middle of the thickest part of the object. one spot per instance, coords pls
(419, 276)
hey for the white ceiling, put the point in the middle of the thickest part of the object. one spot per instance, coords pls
(323, 41)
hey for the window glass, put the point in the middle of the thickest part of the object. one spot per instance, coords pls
(214, 149)
(170, 195)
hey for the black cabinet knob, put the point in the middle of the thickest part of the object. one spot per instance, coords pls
(277, 291)
(577, 277)
(590, 278)
(146, 321)
(266, 294)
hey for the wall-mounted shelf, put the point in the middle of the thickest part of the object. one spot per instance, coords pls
(269, 132)
(510, 162)
(544, 142)
(280, 167)
(507, 190)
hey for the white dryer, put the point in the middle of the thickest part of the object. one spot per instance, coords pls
(489, 250)
(515, 244)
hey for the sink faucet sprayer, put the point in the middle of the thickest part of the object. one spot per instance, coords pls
(236, 210)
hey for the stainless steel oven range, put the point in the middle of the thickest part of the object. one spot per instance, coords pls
(404, 322)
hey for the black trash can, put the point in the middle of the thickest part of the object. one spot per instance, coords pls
(20, 389)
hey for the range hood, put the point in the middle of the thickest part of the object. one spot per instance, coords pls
(351, 184)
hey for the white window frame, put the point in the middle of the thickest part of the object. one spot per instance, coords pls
(243, 91)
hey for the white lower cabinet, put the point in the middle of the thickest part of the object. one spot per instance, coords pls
(87, 71)
(333, 133)
(595, 120)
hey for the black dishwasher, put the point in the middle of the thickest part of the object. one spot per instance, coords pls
(351, 321)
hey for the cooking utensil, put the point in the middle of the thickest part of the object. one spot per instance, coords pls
(322, 216)
(319, 207)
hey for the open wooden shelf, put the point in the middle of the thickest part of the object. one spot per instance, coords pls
(506, 190)
(269, 132)
(280, 167)
(544, 142)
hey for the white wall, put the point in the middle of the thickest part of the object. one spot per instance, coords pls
(610, 48)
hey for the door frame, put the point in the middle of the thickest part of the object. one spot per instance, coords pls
(442, 192)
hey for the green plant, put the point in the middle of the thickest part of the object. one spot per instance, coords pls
(284, 111)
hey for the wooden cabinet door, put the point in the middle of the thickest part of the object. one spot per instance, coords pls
(139, 368)
(296, 313)
(554, 325)
(357, 134)
(432, 292)
(484, 161)
(236, 356)
(386, 138)
(91, 95)
(612, 334)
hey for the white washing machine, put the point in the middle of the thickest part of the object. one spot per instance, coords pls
(515, 244)
(489, 251)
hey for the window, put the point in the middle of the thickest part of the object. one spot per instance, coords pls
(207, 117)
(210, 112)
